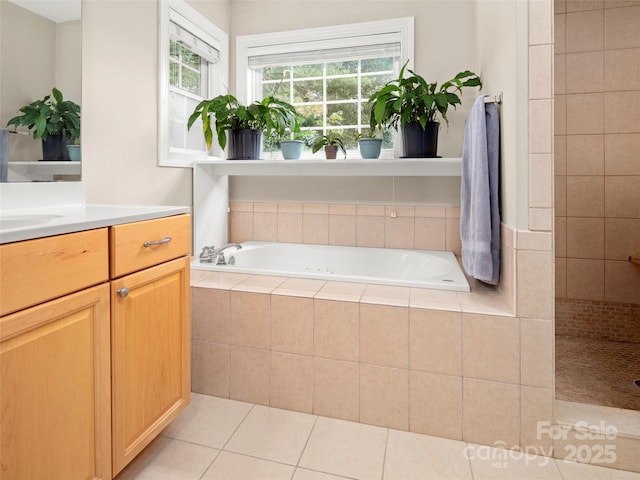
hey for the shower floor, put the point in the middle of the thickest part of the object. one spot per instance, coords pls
(597, 372)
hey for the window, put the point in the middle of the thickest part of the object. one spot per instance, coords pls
(326, 74)
(192, 68)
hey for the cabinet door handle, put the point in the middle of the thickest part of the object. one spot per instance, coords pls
(123, 292)
(156, 242)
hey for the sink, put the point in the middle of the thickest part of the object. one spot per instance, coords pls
(8, 222)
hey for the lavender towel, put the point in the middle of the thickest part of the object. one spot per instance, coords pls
(479, 209)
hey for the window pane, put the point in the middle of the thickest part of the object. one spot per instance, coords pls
(346, 134)
(174, 74)
(372, 83)
(311, 115)
(174, 49)
(314, 70)
(342, 114)
(190, 80)
(342, 88)
(275, 73)
(365, 112)
(377, 65)
(339, 68)
(281, 90)
(307, 91)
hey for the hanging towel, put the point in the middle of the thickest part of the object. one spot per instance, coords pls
(479, 204)
(4, 154)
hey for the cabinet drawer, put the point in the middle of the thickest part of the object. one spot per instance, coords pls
(139, 245)
(35, 271)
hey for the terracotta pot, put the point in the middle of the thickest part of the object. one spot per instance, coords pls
(331, 152)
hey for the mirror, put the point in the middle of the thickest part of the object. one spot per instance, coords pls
(40, 48)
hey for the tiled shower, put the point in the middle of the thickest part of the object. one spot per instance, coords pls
(597, 201)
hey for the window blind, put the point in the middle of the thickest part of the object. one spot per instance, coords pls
(193, 43)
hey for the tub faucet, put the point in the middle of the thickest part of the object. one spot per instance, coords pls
(216, 255)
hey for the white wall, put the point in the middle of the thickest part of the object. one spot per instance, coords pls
(69, 60)
(120, 101)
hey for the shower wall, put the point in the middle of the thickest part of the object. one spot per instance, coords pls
(597, 168)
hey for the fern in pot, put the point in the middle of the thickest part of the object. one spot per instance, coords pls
(414, 105)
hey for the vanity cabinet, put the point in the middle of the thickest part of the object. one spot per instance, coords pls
(150, 331)
(55, 417)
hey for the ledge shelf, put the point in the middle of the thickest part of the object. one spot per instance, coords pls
(397, 167)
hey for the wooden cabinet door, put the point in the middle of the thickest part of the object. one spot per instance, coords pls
(150, 335)
(55, 413)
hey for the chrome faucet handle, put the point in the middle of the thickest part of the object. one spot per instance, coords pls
(206, 256)
(220, 260)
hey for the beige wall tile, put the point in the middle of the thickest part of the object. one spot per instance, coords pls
(453, 243)
(621, 154)
(622, 196)
(535, 282)
(536, 406)
(541, 180)
(370, 231)
(384, 397)
(315, 208)
(540, 126)
(335, 330)
(622, 238)
(265, 227)
(561, 277)
(249, 375)
(560, 237)
(342, 229)
(541, 219)
(221, 280)
(384, 335)
(585, 196)
(259, 284)
(585, 31)
(491, 348)
(622, 112)
(371, 210)
(292, 324)
(585, 237)
(289, 227)
(559, 6)
(621, 27)
(299, 287)
(491, 412)
(560, 155)
(399, 232)
(250, 319)
(436, 341)
(240, 226)
(560, 74)
(336, 389)
(452, 212)
(541, 241)
(210, 368)
(315, 229)
(560, 197)
(435, 405)
(241, 206)
(399, 210)
(427, 298)
(585, 114)
(585, 155)
(289, 208)
(265, 207)
(386, 295)
(291, 382)
(430, 212)
(540, 21)
(559, 115)
(582, 5)
(560, 33)
(585, 279)
(210, 310)
(622, 282)
(622, 69)
(585, 72)
(536, 341)
(540, 68)
(341, 291)
(343, 209)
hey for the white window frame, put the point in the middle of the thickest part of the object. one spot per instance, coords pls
(192, 20)
(308, 40)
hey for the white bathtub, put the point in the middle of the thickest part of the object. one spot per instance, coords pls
(384, 266)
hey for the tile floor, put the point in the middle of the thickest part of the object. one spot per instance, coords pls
(220, 439)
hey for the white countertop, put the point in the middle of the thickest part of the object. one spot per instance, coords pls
(25, 215)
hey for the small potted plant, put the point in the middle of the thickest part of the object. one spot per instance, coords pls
(54, 120)
(414, 105)
(331, 144)
(245, 123)
(291, 148)
(369, 143)
(74, 150)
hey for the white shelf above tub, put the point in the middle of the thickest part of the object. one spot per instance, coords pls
(395, 167)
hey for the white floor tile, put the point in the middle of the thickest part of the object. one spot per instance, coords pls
(411, 456)
(346, 448)
(273, 434)
(208, 421)
(488, 463)
(168, 459)
(302, 474)
(581, 471)
(231, 466)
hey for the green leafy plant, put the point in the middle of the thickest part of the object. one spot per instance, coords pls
(50, 116)
(271, 115)
(326, 140)
(368, 133)
(411, 98)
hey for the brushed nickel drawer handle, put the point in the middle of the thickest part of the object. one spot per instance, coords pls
(156, 242)
(123, 292)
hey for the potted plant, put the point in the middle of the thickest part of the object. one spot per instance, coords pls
(331, 144)
(291, 148)
(74, 150)
(54, 120)
(369, 143)
(245, 123)
(415, 105)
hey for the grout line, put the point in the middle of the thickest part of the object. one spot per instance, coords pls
(306, 442)
(384, 455)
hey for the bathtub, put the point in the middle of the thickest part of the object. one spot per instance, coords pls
(383, 266)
